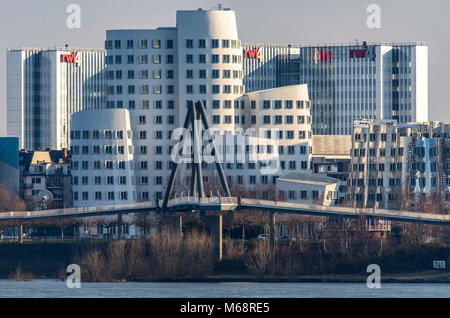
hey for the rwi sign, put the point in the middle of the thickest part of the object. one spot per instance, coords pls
(70, 58)
(255, 53)
(366, 51)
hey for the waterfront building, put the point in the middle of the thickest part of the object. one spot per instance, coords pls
(394, 162)
(42, 171)
(308, 189)
(367, 80)
(331, 157)
(102, 158)
(155, 73)
(45, 87)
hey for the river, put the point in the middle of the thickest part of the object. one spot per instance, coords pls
(56, 288)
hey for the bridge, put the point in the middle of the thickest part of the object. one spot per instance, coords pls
(231, 204)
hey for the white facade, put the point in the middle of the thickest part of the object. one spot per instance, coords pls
(45, 87)
(154, 73)
(308, 189)
(102, 158)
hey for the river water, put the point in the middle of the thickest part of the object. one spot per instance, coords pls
(56, 288)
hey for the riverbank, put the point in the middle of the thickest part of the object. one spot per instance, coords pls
(430, 277)
(424, 277)
(137, 261)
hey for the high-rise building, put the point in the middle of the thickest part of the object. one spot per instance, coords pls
(346, 81)
(45, 87)
(155, 73)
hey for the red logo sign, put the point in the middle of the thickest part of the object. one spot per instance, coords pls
(325, 56)
(357, 53)
(364, 52)
(322, 56)
(251, 54)
(69, 58)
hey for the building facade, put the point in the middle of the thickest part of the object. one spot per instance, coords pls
(154, 73)
(393, 162)
(308, 189)
(9, 164)
(102, 158)
(45, 87)
(45, 171)
(346, 81)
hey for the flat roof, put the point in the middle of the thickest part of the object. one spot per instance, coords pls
(359, 43)
(307, 178)
(56, 48)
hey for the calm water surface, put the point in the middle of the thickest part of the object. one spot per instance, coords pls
(55, 288)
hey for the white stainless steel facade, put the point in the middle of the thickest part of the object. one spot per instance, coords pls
(154, 73)
(45, 87)
(348, 81)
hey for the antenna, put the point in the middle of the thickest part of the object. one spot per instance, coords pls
(44, 198)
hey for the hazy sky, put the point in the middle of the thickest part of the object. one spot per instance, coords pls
(42, 23)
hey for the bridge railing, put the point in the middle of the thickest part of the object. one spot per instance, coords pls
(394, 214)
(200, 201)
(75, 211)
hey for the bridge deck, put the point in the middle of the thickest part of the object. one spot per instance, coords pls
(231, 204)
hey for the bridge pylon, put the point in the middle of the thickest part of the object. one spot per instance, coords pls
(195, 117)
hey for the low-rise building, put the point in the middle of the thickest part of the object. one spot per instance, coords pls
(308, 189)
(331, 157)
(45, 171)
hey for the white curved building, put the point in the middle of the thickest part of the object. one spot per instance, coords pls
(102, 158)
(154, 73)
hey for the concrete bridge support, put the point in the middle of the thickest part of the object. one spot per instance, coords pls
(215, 223)
(177, 222)
(20, 233)
(119, 226)
(273, 228)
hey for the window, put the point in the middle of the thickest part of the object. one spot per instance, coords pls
(143, 59)
(156, 59)
(227, 89)
(169, 44)
(156, 44)
(215, 43)
(189, 43)
(202, 43)
(215, 58)
(143, 44)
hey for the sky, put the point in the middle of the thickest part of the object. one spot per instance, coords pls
(42, 23)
